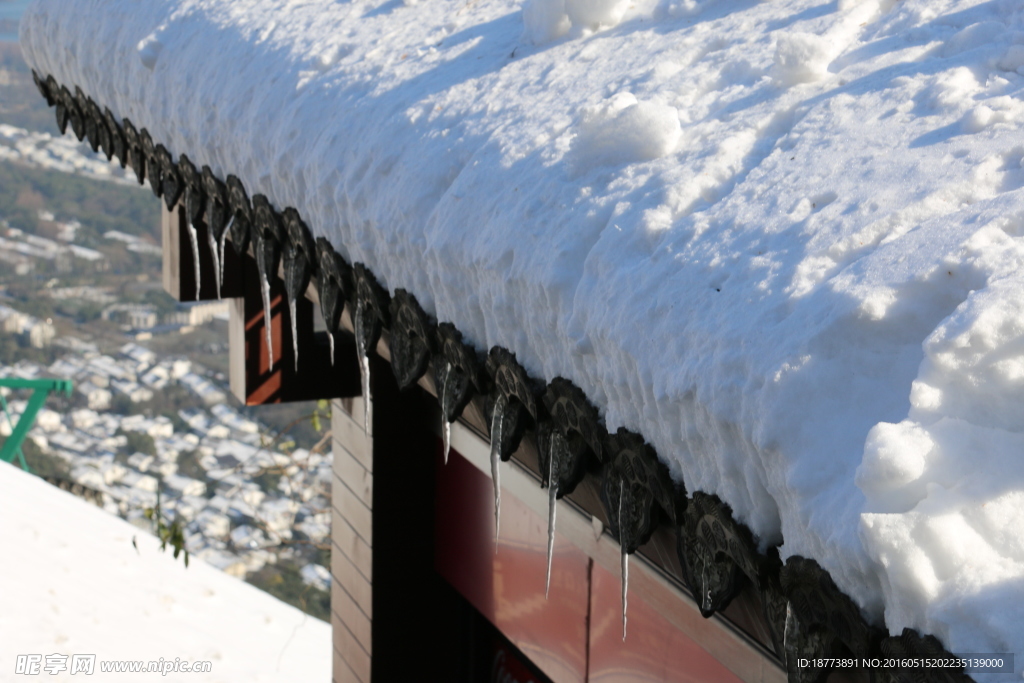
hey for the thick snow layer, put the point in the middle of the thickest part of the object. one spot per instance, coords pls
(74, 584)
(781, 239)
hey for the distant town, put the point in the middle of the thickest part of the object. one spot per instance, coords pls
(210, 463)
(58, 153)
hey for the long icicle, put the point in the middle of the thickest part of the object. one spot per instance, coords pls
(446, 426)
(215, 253)
(223, 245)
(364, 371)
(624, 560)
(705, 594)
(496, 422)
(292, 306)
(364, 368)
(266, 319)
(193, 237)
(791, 623)
(552, 508)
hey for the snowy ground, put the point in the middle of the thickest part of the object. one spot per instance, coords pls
(781, 239)
(75, 585)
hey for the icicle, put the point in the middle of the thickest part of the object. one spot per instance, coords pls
(330, 338)
(792, 625)
(292, 306)
(364, 367)
(446, 426)
(496, 422)
(223, 245)
(216, 261)
(552, 508)
(193, 237)
(624, 560)
(364, 371)
(446, 437)
(705, 594)
(266, 319)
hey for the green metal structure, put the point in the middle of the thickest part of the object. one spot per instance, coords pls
(41, 388)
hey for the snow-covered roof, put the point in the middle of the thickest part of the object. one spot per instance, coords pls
(782, 240)
(77, 586)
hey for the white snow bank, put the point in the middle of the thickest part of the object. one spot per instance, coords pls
(73, 584)
(804, 293)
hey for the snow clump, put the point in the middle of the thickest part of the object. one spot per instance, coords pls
(801, 58)
(149, 49)
(624, 130)
(546, 20)
(595, 13)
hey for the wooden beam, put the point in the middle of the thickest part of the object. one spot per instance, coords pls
(179, 274)
(254, 379)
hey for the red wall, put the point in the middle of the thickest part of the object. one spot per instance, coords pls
(576, 635)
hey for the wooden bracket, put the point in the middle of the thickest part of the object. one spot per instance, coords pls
(253, 381)
(179, 274)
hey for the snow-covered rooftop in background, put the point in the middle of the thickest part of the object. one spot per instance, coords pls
(783, 240)
(75, 585)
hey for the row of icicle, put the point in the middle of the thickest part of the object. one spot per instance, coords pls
(364, 372)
